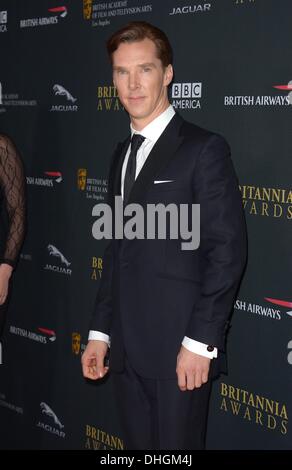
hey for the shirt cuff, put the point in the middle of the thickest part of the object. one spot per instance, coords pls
(98, 335)
(199, 348)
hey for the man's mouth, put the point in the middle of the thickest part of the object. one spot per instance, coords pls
(136, 98)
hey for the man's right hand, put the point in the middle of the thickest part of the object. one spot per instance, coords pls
(92, 360)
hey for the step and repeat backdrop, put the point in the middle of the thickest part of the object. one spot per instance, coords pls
(233, 75)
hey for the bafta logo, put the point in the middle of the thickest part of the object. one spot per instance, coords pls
(87, 9)
(76, 342)
(81, 178)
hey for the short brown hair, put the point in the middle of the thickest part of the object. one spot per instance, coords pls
(137, 31)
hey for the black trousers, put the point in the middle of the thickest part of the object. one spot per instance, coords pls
(156, 414)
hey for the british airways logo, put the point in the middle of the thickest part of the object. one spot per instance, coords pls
(281, 303)
(286, 88)
(62, 10)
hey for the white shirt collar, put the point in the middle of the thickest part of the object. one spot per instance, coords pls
(154, 129)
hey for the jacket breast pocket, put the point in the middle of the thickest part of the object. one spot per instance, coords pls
(169, 186)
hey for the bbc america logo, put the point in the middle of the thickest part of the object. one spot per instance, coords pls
(186, 90)
(186, 95)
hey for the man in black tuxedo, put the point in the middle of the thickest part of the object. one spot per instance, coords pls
(164, 310)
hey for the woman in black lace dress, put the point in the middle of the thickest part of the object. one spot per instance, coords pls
(12, 217)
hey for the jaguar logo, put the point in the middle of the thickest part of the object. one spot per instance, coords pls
(55, 252)
(49, 412)
(60, 90)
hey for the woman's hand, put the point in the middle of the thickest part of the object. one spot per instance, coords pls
(5, 274)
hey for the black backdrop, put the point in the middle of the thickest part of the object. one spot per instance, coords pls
(58, 104)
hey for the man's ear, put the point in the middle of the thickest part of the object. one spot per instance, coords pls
(168, 74)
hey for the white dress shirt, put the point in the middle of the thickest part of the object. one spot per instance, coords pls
(152, 132)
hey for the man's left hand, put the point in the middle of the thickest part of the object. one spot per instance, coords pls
(192, 369)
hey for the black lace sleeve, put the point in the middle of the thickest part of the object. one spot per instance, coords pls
(12, 183)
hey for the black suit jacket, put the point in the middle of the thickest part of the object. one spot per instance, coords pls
(152, 293)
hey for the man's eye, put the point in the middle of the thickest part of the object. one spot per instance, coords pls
(146, 69)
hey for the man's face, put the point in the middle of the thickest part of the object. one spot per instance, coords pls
(141, 81)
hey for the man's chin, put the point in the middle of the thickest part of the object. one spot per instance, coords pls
(136, 115)
(135, 109)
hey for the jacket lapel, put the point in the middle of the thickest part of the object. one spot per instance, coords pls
(116, 169)
(162, 152)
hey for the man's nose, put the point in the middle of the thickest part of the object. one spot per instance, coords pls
(134, 81)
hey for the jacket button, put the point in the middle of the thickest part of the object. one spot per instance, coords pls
(210, 348)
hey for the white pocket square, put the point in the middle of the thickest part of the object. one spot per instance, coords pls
(162, 181)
